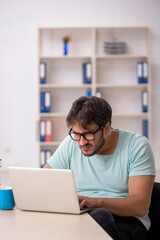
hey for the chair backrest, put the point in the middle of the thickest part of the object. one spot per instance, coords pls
(154, 213)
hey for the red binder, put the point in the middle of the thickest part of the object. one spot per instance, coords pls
(48, 128)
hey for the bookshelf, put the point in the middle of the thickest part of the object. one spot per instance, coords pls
(114, 75)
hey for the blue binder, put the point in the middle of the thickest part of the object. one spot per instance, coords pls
(42, 158)
(42, 130)
(145, 128)
(144, 97)
(87, 73)
(145, 72)
(42, 99)
(48, 154)
(140, 72)
(89, 93)
(42, 73)
(47, 101)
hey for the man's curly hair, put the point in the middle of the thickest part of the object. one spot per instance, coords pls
(87, 110)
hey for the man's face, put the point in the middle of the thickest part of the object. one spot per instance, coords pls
(89, 148)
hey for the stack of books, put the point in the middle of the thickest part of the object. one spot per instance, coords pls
(115, 47)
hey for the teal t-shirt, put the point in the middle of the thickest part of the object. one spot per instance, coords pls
(107, 175)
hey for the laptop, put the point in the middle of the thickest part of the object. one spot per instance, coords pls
(44, 190)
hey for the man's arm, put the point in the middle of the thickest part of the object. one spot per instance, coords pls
(47, 166)
(136, 204)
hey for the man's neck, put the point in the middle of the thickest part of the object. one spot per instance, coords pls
(111, 142)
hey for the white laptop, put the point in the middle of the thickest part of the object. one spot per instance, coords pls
(46, 190)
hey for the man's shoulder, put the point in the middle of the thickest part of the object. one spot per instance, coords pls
(132, 136)
(67, 141)
(68, 144)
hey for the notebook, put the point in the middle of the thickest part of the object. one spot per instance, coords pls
(45, 190)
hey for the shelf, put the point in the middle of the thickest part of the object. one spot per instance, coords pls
(113, 75)
(121, 56)
(99, 85)
(45, 115)
(139, 115)
(64, 57)
(49, 143)
(106, 56)
(120, 114)
(51, 42)
(64, 86)
(103, 85)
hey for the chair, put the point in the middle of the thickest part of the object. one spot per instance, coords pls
(154, 214)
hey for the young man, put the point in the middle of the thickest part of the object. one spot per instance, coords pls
(114, 169)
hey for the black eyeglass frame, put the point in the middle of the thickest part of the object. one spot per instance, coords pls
(84, 133)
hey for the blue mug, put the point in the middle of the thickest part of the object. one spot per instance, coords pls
(6, 199)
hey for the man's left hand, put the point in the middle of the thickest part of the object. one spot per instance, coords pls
(88, 202)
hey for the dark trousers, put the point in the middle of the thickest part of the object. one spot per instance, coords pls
(119, 228)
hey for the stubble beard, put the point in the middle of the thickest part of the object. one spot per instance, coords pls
(101, 144)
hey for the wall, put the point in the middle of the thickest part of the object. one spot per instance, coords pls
(19, 21)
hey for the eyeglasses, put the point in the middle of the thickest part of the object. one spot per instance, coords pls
(89, 136)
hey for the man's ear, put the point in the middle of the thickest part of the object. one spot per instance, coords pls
(107, 127)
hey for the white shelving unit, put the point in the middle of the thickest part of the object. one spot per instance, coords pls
(114, 75)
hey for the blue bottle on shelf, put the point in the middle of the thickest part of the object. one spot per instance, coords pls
(65, 44)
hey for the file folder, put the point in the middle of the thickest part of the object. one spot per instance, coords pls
(140, 72)
(145, 128)
(145, 72)
(98, 94)
(89, 93)
(48, 131)
(42, 72)
(42, 158)
(144, 96)
(42, 99)
(48, 154)
(47, 101)
(87, 73)
(42, 130)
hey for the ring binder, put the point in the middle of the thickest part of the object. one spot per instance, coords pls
(42, 73)
(144, 101)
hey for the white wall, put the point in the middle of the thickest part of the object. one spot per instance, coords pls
(19, 20)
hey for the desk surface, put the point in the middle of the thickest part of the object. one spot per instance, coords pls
(17, 225)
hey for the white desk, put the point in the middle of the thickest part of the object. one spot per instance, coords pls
(18, 225)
